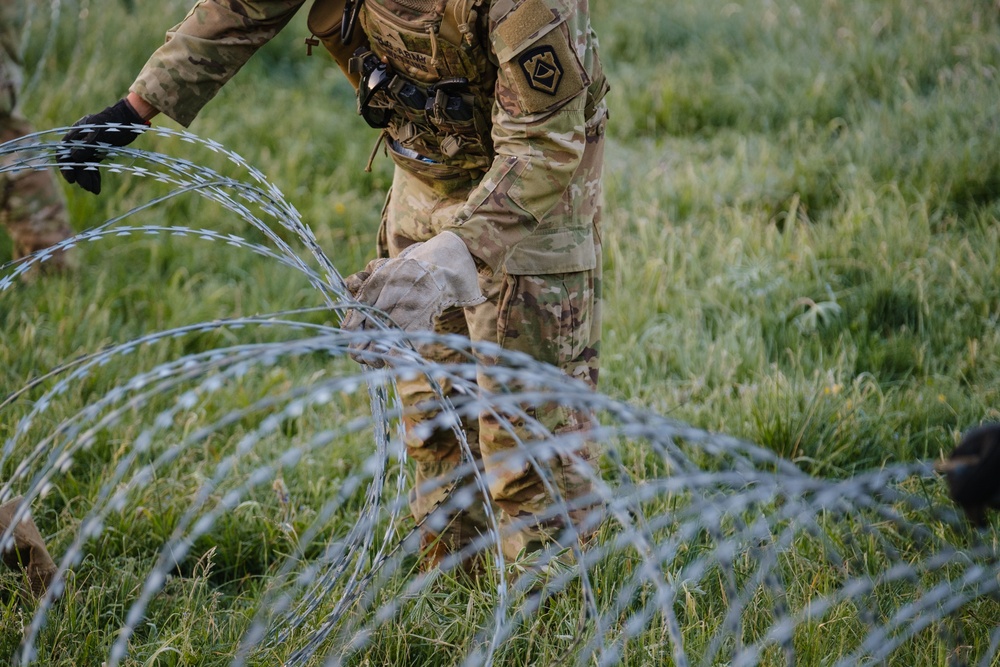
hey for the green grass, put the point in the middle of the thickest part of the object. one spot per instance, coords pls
(801, 250)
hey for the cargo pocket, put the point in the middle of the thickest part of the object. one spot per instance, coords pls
(538, 315)
(553, 251)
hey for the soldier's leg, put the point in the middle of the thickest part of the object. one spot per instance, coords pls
(415, 212)
(446, 526)
(556, 319)
(31, 204)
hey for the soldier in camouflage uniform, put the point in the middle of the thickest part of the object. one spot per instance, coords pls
(31, 205)
(493, 112)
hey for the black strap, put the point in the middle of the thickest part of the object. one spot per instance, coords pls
(351, 10)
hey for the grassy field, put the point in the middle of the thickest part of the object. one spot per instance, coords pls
(801, 250)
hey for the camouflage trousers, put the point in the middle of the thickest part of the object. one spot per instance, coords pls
(555, 318)
(31, 204)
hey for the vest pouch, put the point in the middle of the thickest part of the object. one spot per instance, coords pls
(461, 123)
(415, 45)
(441, 178)
(324, 22)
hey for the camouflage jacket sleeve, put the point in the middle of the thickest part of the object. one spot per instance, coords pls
(205, 50)
(547, 86)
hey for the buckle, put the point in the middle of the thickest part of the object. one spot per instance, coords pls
(449, 99)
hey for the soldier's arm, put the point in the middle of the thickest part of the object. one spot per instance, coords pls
(204, 51)
(539, 123)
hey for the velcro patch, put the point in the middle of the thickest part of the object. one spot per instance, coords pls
(528, 22)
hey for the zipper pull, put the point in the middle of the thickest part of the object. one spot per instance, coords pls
(371, 158)
(432, 31)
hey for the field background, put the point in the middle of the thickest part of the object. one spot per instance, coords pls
(801, 250)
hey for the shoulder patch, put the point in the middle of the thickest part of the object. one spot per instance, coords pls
(544, 75)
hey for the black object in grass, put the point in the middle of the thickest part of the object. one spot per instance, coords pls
(972, 471)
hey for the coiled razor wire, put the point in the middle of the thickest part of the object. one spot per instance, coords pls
(706, 542)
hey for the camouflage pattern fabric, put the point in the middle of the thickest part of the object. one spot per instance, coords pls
(207, 49)
(554, 317)
(421, 50)
(31, 204)
(519, 182)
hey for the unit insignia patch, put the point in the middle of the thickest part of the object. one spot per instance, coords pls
(542, 69)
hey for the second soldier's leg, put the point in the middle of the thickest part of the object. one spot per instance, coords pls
(31, 205)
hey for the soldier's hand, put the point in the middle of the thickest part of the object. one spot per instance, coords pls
(117, 126)
(414, 288)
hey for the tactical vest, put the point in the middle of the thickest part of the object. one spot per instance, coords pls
(443, 86)
(438, 48)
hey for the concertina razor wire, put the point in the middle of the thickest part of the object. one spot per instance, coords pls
(693, 528)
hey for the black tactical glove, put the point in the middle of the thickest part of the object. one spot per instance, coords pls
(111, 133)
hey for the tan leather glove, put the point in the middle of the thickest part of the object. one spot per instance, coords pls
(415, 287)
(28, 551)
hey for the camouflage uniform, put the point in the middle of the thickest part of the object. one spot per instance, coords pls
(515, 172)
(31, 204)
